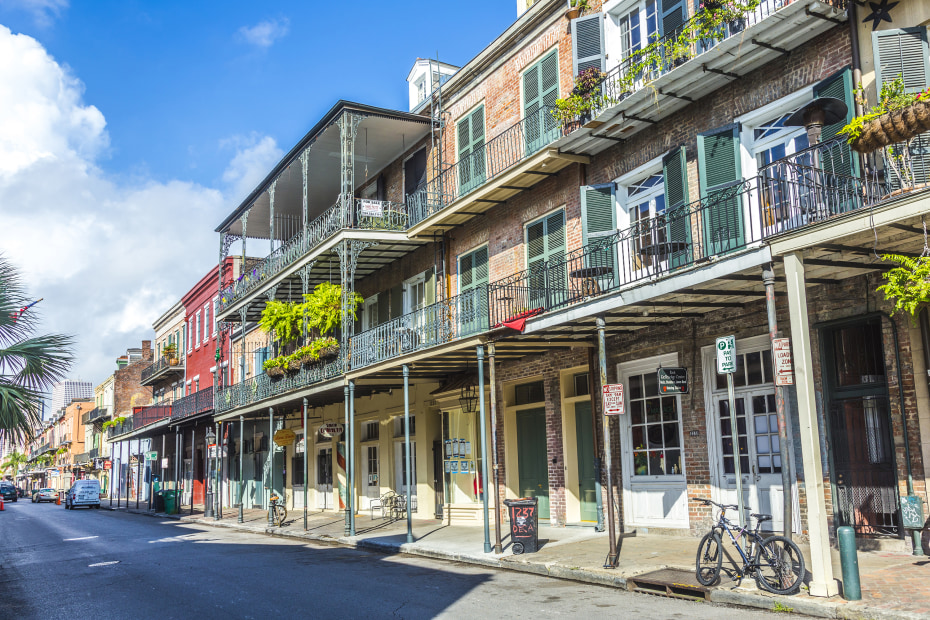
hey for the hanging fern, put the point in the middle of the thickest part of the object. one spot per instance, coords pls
(907, 285)
(321, 312)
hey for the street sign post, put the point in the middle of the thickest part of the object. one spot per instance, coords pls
(781, 349)
(726, 364)
(613, 399)
(151, 455)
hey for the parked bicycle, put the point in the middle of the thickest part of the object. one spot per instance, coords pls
(278, 511)
(777, 564)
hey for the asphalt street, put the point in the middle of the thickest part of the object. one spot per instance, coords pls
(57, 563)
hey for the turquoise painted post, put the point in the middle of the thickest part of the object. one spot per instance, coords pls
(408, 481)
(483, 485)
(849, 561)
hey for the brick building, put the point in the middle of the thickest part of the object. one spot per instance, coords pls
(685, 201)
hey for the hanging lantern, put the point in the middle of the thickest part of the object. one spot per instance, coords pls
(469, 399)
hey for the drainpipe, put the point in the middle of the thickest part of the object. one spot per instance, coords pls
(787, 484)
(918, 546)
(602, 366)
(483, 486)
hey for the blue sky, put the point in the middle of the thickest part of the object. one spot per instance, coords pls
(129, 130)
(177, 81)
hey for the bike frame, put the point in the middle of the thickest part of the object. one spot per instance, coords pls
(752, 535)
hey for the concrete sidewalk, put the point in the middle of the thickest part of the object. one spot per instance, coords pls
(894, 585)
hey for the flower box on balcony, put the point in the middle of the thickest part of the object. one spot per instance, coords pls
(892, 127)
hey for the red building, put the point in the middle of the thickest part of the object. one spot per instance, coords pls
(201, 333)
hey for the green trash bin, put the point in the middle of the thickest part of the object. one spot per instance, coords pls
(171, 505)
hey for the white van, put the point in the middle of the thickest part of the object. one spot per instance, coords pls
(83, 493)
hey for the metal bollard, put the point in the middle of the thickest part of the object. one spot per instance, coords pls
(849, 560)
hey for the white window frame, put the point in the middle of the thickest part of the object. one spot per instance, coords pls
(368, 314)
(197, 330)
(190, 334)
(216, 303)
(750, 121)
(409, 283)
(206, 322)
(615, 11)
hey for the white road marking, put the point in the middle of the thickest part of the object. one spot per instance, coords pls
(81, 538)
(103, 563)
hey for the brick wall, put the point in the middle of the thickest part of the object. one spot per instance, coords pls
(127, 388)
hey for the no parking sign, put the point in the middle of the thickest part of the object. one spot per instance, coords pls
(613, 399)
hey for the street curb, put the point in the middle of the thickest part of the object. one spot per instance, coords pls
(819, 609)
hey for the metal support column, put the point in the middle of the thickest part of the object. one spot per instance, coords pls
(483, 482)
(178, 445)
(164, 459)
(139, 465)
(498, 548)
(215, 482)
(306, 450)
(602, 367)
(407, 477)
(344, 486)
(823, 583)
(787, 479)
(598, 492)
(271, 192)
(241, 444)
(350, 457)
(304, 158)
(270, 463)
(193, 462)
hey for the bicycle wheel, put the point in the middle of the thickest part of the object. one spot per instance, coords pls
(779, 565)
(709, 560)
(280, 514)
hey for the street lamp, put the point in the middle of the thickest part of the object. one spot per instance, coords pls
(468, 399)
(208, 499)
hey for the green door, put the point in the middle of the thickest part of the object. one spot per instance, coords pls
(532, 457)
(585, 439)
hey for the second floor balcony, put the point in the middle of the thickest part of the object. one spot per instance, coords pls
(95, 415)
(166, 368)
(192, 404)
(261, 387)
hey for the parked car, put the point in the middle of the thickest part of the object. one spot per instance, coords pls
(45, 495)
(8, 492)
(83, 493)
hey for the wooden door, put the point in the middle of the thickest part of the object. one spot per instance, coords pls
(532, 458)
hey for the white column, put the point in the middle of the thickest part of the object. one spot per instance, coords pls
(821, 566)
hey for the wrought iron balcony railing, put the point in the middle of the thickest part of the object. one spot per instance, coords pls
(439, 323)
(198, 402)
(83, 457)
(162, 366)
(95, 414)
(664, 54)
(510, 147)
(126, 426)
(785, 196)
(362, 215)
(261, 386)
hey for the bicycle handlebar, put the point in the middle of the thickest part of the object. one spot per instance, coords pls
(708, 502)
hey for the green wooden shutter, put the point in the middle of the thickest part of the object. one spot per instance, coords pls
(430, 286)
(674, 14)
(904, 52)
(473, 269)
(470, 133)
(719, 174)
(540, 91)
(598, 226)
(535, 263)
(384, 308)
(677, 214)
(840, 160)
(473, 279)
(588, 43)
(545, 240)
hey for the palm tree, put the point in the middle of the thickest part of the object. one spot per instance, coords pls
(13, 461)
(29, 364)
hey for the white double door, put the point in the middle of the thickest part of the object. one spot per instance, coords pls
(371, 480)
(759, 450)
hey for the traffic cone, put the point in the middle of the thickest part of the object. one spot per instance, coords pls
(58, 501)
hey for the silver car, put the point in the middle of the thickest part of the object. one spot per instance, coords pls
(45, 495)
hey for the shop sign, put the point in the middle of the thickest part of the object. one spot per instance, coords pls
(284, 437)
(784, 374)
(912, 512)
(107, 464)
(211, 451)
(151, 455)
(726, 355)
(371, 208)
(331, 429)
(164, 463)
(613, 399)
(673, 380)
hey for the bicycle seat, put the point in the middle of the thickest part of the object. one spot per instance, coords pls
(275, 498)
(761, 517)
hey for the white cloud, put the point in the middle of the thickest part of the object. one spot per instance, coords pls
(43, 11)
(107, 256)
(255, 156)
(264, 33)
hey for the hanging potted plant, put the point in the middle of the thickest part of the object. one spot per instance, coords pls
(274, 367)
(170, 351)
(908, 284)
(899, 116)
(326, 348)
(575, 8)
(292, 363)
(585, 98)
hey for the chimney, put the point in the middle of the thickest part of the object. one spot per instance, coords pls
(147, 350)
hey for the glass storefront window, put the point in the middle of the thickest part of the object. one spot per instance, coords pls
(656, 428)
(460, 456)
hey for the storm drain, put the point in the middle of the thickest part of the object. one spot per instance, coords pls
(670, 582)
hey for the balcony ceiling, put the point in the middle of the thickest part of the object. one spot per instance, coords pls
(387, 140)
(739, 55)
